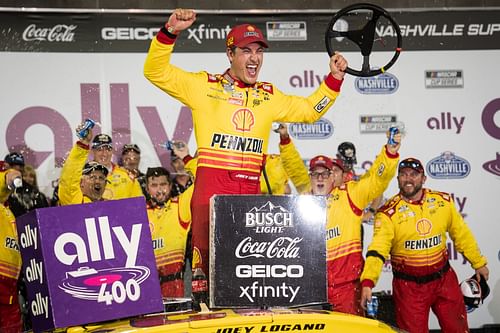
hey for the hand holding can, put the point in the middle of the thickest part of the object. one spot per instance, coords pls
(82, 131)
(394, 129)
(372, 307)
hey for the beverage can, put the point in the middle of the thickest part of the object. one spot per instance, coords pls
(88, 124)
(394, 129)
(372, 307)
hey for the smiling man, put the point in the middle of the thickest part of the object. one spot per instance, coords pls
(411, 230)
(345, 202)
(232, 113)
(81, 182)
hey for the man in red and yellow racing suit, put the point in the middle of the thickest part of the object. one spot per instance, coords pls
(411, 227)
(169, 221)
(232, 114)
(10, 267)
(344, 214)
(81, 182)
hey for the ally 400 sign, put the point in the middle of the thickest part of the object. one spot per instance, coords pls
(95, 256)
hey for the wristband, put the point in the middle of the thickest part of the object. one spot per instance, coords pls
(170, 29)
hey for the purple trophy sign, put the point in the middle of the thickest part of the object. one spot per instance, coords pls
(88, 263)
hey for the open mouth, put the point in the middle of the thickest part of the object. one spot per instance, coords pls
(252, 70)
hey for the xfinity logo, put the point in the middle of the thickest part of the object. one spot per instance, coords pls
(57, 33)
(198, 34)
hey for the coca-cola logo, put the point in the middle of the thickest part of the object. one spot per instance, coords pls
(57, 33)
(281, 247)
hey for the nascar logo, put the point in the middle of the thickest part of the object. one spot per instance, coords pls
(448, 166)
(381, 84)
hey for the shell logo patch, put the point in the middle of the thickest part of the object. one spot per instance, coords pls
(243, 120)
(424, 227)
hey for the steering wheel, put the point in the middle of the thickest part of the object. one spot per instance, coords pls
(363, 37)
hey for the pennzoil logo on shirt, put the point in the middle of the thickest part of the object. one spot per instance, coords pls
(237, 143)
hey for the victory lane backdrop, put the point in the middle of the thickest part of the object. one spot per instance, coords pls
(96, 257)
(267, 251)
(89, 65)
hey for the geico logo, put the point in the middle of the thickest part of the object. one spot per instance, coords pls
(276, 271)
(113, 33)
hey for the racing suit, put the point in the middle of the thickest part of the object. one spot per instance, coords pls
(10, 266)
(119, 185)
(169, 226)
(414, 235)
(343, 227)
(70, 192)
(276, 174)
(232, 123)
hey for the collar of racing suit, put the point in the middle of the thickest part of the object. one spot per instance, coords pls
(231, 80)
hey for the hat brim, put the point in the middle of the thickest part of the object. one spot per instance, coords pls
(249, 40)
(99, 145)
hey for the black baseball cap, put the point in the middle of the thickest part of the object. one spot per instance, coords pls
(131, 146)
(14, 158)
(157, 172)
(411, 163)
(94, 166)
(102, 140)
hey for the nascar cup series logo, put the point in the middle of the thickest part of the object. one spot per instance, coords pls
(268, 219)
(448, 166)
(320, 129)
(444, 79)
(385, 83)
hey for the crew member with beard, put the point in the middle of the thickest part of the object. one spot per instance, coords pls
(81, 182)
(170, 222)
(411, 227)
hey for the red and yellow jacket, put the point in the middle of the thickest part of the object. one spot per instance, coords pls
(276, 175)
(10, 257)
(119, 184)
(4, 190)
(345, 210)
(414, 235)
(169, 226)
(232, 120)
